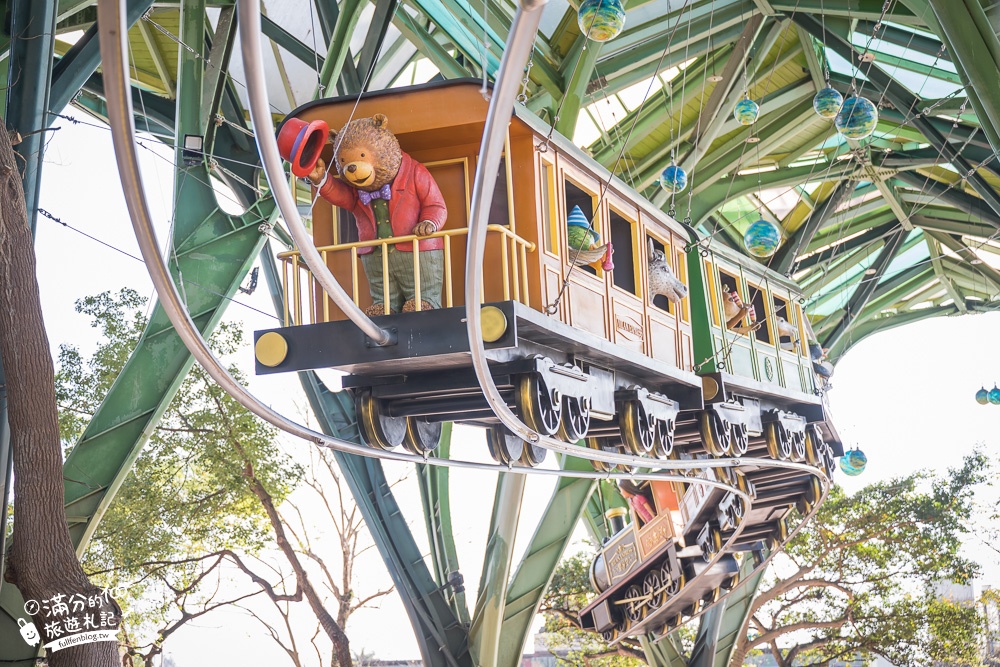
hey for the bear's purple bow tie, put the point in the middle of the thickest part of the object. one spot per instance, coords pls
(384, 193)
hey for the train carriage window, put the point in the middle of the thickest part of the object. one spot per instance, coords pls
(577, 196)
(623, 240)
(786, 332)
(500, 205)
(547, 190)
(728, 284)
(660, 301)
(758, 298)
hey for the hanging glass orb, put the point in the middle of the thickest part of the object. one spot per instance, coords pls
(601, 20)
(853, 462)
(857, 118)
(762, 238)
(673, 179)
(994, 395)
(827, 103)
(746, 111)
(982, 396)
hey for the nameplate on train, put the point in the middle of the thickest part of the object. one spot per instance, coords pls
(623, 559)
(628, 327)
(655, 534)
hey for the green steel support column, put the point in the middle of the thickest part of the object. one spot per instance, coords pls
(74, 68)
(785, 257)
(385, 10)
(867, 287)
(484, 633)
(217, 75)
(527, 588)
(721, 627)
(579, 66)
(340, 43)
(33, 26)
(974, 49)
(665, 653)
(429, 46)
(442, 638)
(436, 498)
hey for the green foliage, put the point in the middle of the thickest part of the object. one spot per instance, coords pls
(860, 580)
(186, 497)
(569, 592)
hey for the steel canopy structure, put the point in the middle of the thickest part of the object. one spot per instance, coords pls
(881, 232)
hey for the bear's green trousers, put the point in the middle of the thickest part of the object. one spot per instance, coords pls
(402, 286)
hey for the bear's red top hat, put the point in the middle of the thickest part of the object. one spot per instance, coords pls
(301, 143)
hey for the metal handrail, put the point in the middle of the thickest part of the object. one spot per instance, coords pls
(513, 258)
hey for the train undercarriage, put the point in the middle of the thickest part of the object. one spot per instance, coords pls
(577, 387)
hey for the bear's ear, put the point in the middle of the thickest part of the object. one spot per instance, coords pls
(380, 121)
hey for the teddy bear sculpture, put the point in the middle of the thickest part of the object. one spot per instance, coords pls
(390, 194)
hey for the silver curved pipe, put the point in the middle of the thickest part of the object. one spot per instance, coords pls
(263, 126)
(113, 34)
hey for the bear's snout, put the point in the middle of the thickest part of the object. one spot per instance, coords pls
(359, 174)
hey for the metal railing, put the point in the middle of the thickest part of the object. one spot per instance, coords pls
(300, 284)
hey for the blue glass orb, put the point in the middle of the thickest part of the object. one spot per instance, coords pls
(982, 396)
(853, 462)
(762, 238)
(857, 118)
(746, 112)
(827, 103)
(601, 20)
(994, 395)
(673, 179)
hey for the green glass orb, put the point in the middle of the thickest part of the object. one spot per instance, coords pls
(673, 179)
(857, 118)
(601, 20)
(982, 396)
(994, 395)
(827, 103)
(762, 238)
(746, 112)
(853, 462)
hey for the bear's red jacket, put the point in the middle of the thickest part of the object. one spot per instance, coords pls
(415, 198)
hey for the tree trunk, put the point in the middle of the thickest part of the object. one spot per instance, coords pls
(42, 561)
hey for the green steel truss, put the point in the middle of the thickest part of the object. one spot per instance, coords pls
(890, 230)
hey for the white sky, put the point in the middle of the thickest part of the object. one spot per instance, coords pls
(904, 396)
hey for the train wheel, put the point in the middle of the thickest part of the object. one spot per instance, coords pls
(673, 583)
(575, 418)
(504, 447)
(540, 409)
(377, 428)
(674, 621)
(712, 596)
(599, 466)
(830, 461)
(740, 441)
(798, 448)
(779, 447)
(422, 436)
(635, 609)
(663, 445)
(716, 433)
(712, 545)
(736, 512)
(637, 429)
(533, 455)
(654, 590)
(732, 582)
(610, 635)
(814, 448)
